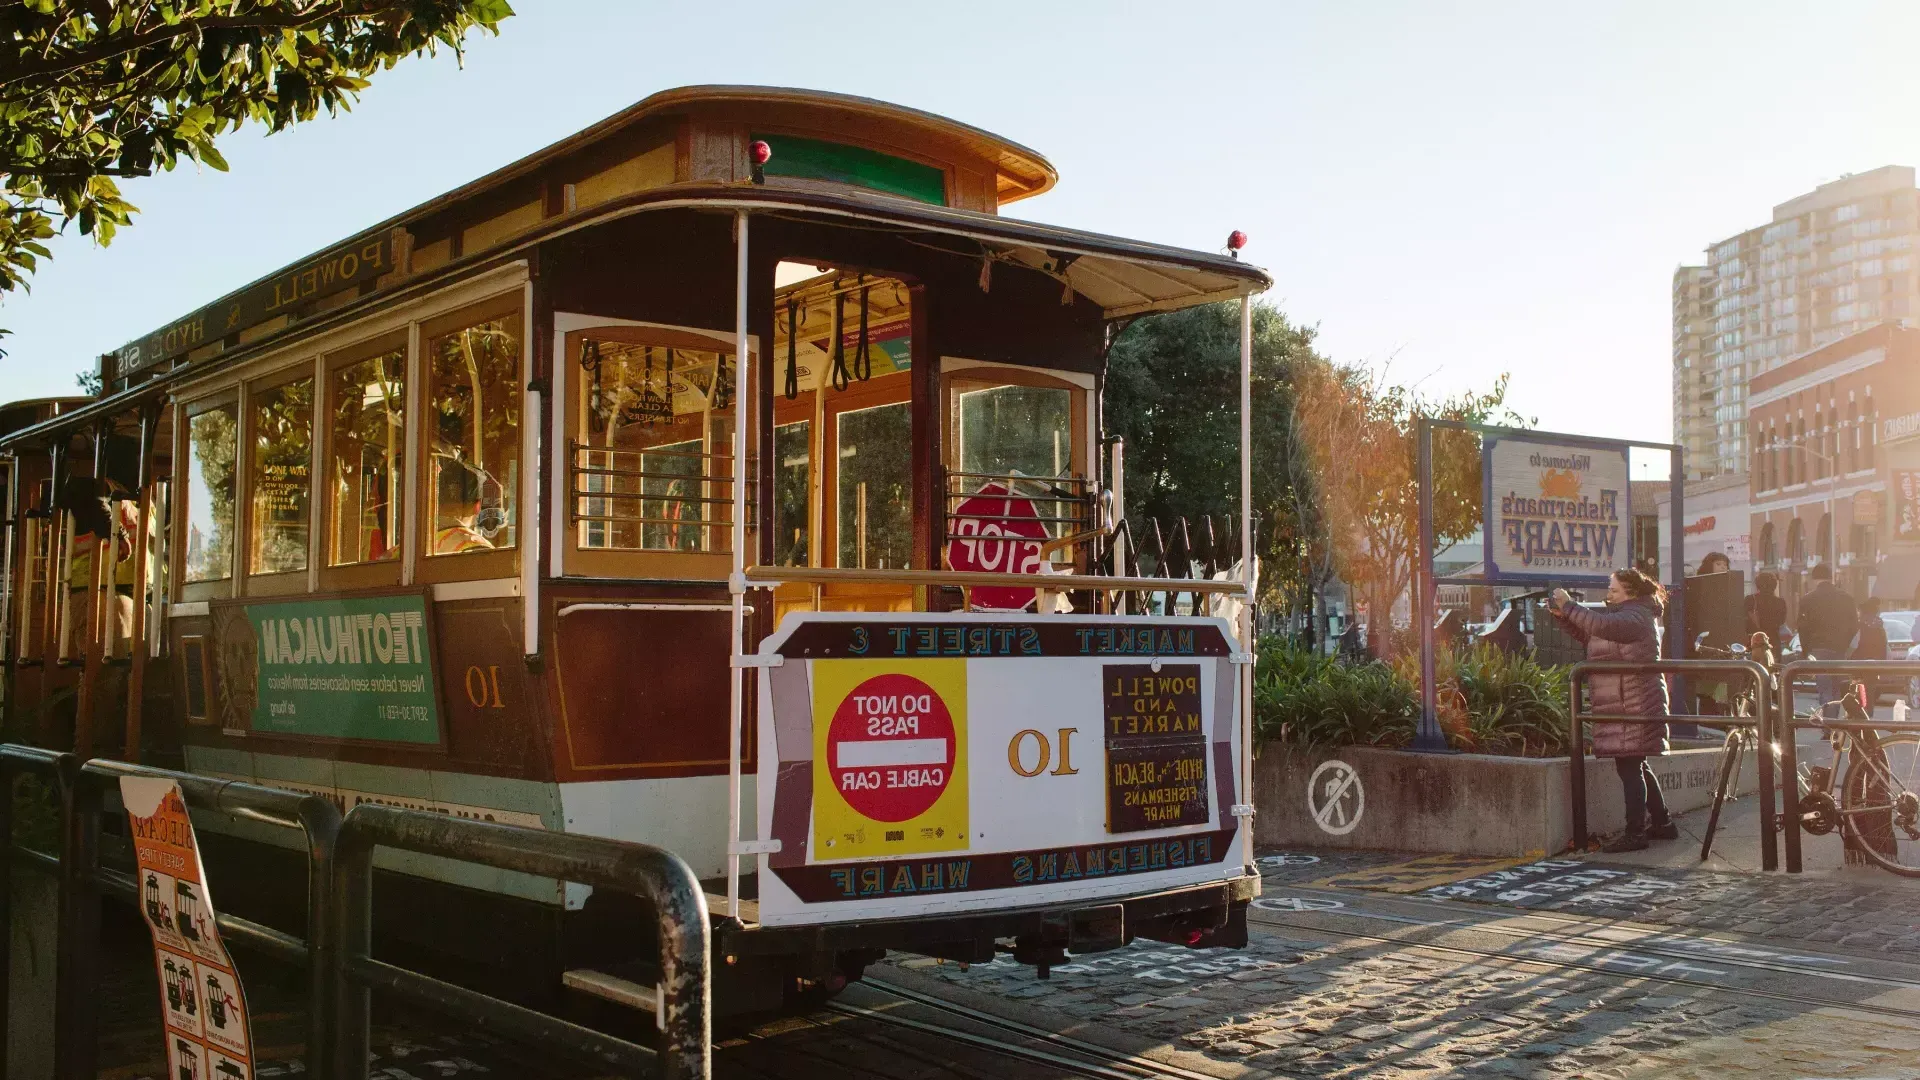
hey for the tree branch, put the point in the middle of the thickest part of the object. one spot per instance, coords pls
(111, 46)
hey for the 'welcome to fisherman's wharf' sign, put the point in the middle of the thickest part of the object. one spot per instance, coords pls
(1555, 510)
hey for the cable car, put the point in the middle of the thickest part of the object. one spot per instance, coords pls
(729, 476)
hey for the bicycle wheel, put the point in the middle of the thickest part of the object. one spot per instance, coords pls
(1882, 787)
(1729, 771)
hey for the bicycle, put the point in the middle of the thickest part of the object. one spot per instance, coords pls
(1877, 799)
(1740, 739)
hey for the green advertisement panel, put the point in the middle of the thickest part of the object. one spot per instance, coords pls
(351, 668)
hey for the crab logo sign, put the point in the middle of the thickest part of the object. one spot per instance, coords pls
(1335, 797)
(995, 531)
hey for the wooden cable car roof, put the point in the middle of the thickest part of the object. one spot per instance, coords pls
(1125, 278)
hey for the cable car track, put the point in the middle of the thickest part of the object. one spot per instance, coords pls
(1262, 919)
(1093, 1060)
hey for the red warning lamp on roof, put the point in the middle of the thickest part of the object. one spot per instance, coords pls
(759, 153)
(1235, 241)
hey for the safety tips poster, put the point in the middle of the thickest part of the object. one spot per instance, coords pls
(203, 1009)
(890, 757)
(1156, 747)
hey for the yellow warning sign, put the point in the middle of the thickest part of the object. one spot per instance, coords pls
(889, 758)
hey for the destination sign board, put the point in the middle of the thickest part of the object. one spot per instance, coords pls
(921, 762)
(283, 294)
(1156, 747)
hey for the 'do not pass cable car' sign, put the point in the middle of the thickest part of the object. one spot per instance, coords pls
(997, 532)
(893, 773)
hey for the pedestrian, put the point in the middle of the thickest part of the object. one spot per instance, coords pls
(1829, 622)
(1714, 562)
(1627, 629)
(1767, 610)
(1872, 643)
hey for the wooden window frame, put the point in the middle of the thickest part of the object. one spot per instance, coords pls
(286, 582)
(969, 376)
(362, 575)
(471, 565)
(201, 591)
(892, 389)
(647, 565)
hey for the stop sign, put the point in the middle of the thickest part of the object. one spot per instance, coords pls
(997, 532)
(890, 748)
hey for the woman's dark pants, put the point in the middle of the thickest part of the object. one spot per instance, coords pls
(1642, 790)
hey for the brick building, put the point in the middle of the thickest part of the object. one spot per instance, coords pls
(1839, 428)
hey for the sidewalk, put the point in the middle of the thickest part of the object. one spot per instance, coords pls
(1854, 909)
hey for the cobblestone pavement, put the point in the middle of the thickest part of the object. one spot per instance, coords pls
(1863, 914)
(1327, 1003)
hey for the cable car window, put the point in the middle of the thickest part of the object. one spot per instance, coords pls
(792, 482)
(1016, 430)
(281, 484)
(473, 437)
(1007, 433)
(875, 488)
(212, 440)
(366, 470)
(652, 465)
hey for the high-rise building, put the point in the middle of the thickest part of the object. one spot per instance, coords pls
(1832, 262)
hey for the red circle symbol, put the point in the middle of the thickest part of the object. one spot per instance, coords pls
(997, 532)
(890, 748)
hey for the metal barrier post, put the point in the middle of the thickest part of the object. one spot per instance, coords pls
(76, 1018)
(1577, 762)
(8, 776)
(16, 761)
(651, 873)
(1576, 751)
(1764, 773)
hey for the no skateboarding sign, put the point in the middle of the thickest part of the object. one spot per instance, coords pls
(890, 760)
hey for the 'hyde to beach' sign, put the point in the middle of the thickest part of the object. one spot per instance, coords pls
(1555, 511)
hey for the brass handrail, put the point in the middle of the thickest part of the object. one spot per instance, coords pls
(825, 575)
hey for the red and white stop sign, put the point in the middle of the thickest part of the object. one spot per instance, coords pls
(997, 532)
(890, 748)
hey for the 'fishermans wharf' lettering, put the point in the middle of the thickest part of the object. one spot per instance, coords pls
(916, 877)
(1538, 530)
(283, 294)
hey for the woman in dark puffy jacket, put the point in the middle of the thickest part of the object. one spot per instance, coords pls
(1628, 628)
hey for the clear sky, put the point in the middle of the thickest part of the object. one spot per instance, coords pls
(1453, 189)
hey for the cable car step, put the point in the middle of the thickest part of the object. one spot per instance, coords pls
(749, 909)
(619, 991)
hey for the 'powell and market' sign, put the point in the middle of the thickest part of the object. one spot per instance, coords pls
(1555, 511)
(352, 668)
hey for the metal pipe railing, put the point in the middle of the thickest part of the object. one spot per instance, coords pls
(1789, 747)
(1576, 721)
(336, 950)
(653, 874)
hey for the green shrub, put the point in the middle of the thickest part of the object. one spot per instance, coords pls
(1311, 700)
(1488, 701)
(1514, 704)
